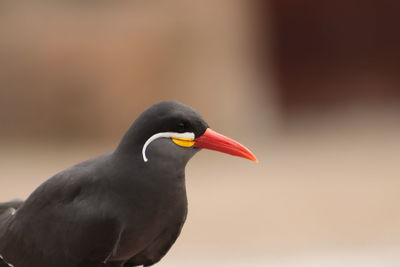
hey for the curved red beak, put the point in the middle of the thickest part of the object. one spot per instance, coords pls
(218, 142)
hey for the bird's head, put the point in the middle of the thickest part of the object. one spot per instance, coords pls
(170, 130)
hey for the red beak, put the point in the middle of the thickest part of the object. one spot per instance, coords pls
(215, 141)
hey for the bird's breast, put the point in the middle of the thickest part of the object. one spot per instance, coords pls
(150, 215)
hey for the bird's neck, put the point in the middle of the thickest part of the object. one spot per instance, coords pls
(132, 141)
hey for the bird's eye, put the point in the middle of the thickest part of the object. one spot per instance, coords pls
(181, 125)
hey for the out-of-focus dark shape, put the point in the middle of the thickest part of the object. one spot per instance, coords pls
(333, 54)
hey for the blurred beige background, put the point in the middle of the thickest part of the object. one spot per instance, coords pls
(312, 87)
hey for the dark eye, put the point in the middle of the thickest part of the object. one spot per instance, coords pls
(181, 125)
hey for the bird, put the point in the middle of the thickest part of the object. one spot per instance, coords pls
(121, 209)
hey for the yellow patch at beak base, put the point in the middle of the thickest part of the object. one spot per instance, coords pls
(185, 142)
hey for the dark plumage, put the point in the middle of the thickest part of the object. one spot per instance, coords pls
(114, 210)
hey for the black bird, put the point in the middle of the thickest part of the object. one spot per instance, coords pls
(124, 208)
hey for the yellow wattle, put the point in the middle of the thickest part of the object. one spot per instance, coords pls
(185, 142)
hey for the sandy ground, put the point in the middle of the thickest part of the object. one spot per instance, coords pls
(325, 199)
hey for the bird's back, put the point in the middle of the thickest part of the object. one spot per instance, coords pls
(13, 205)
(93, 203)
(7, 210)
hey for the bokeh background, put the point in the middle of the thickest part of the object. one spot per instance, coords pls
(311, 86)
